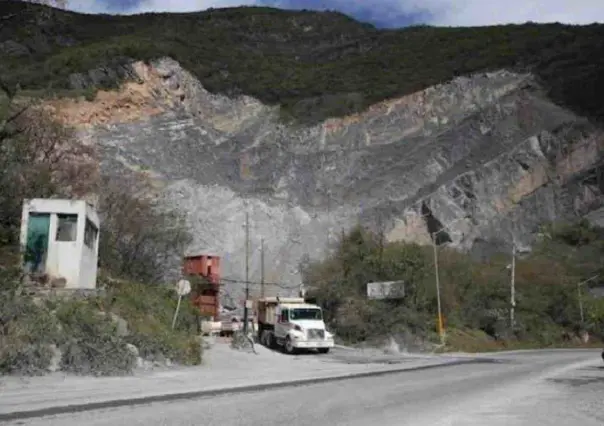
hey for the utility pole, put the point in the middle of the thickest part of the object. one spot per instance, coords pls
(513, 286)
(381, 230)
(441, 325)
(580, 297)
(247, 273)
(440, 315)
(262, 268)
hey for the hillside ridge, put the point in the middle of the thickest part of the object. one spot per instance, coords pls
(314, 65)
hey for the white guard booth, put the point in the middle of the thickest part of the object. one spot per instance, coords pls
(60, 238)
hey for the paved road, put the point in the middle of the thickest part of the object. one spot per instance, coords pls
(539, 388)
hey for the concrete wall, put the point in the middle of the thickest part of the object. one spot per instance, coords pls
(90, 249)
(73, 256)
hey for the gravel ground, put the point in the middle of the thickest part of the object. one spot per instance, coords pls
(221, 355)
(554, 388)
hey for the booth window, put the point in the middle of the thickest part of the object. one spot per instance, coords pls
(90, 234)
(67, 227)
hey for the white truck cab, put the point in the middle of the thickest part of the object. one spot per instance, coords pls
(292, 324)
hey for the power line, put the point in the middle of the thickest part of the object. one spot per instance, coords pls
(260, 283)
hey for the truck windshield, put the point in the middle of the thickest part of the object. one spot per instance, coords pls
(306, 314)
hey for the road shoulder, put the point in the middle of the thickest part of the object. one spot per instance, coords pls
(227, 371)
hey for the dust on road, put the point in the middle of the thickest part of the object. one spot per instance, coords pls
(553, 389)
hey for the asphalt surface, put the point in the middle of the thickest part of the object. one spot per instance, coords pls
(534, 388)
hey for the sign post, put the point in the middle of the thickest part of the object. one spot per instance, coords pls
(386, 290)
(183, 287)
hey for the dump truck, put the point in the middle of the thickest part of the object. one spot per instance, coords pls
(292, 324)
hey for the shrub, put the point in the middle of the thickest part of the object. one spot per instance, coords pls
(87, 335)
(141, 239)
(149, 310)
(30, 329)
(26, 329)
(475, 295)
(92, 345)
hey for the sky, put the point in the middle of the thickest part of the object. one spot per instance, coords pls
(387, 13)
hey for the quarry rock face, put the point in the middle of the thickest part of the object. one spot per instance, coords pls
(486, 158)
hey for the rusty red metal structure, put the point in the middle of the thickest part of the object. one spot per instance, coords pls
(208, 267)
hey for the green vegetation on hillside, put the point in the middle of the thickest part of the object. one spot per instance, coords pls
(475, 295)
(93, 335)
(148, 311)
(314, 64)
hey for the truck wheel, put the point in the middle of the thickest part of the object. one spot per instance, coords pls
(289, 346)
(272, 341)
(323, 350)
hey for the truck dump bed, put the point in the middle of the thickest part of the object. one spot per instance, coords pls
(266, 307)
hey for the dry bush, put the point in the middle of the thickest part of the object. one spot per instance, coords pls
(39, 158)
(55, 150)
(141, 239)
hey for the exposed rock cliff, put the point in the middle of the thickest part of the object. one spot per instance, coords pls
(486, 156)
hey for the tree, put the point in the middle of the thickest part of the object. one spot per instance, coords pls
(141, 239)
(39, 157)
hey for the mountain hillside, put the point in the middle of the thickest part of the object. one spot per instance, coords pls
(312, 122)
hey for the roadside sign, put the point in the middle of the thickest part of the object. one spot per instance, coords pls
(386, 290)
(183, 287)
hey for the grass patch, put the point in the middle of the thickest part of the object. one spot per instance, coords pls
(148, 311)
